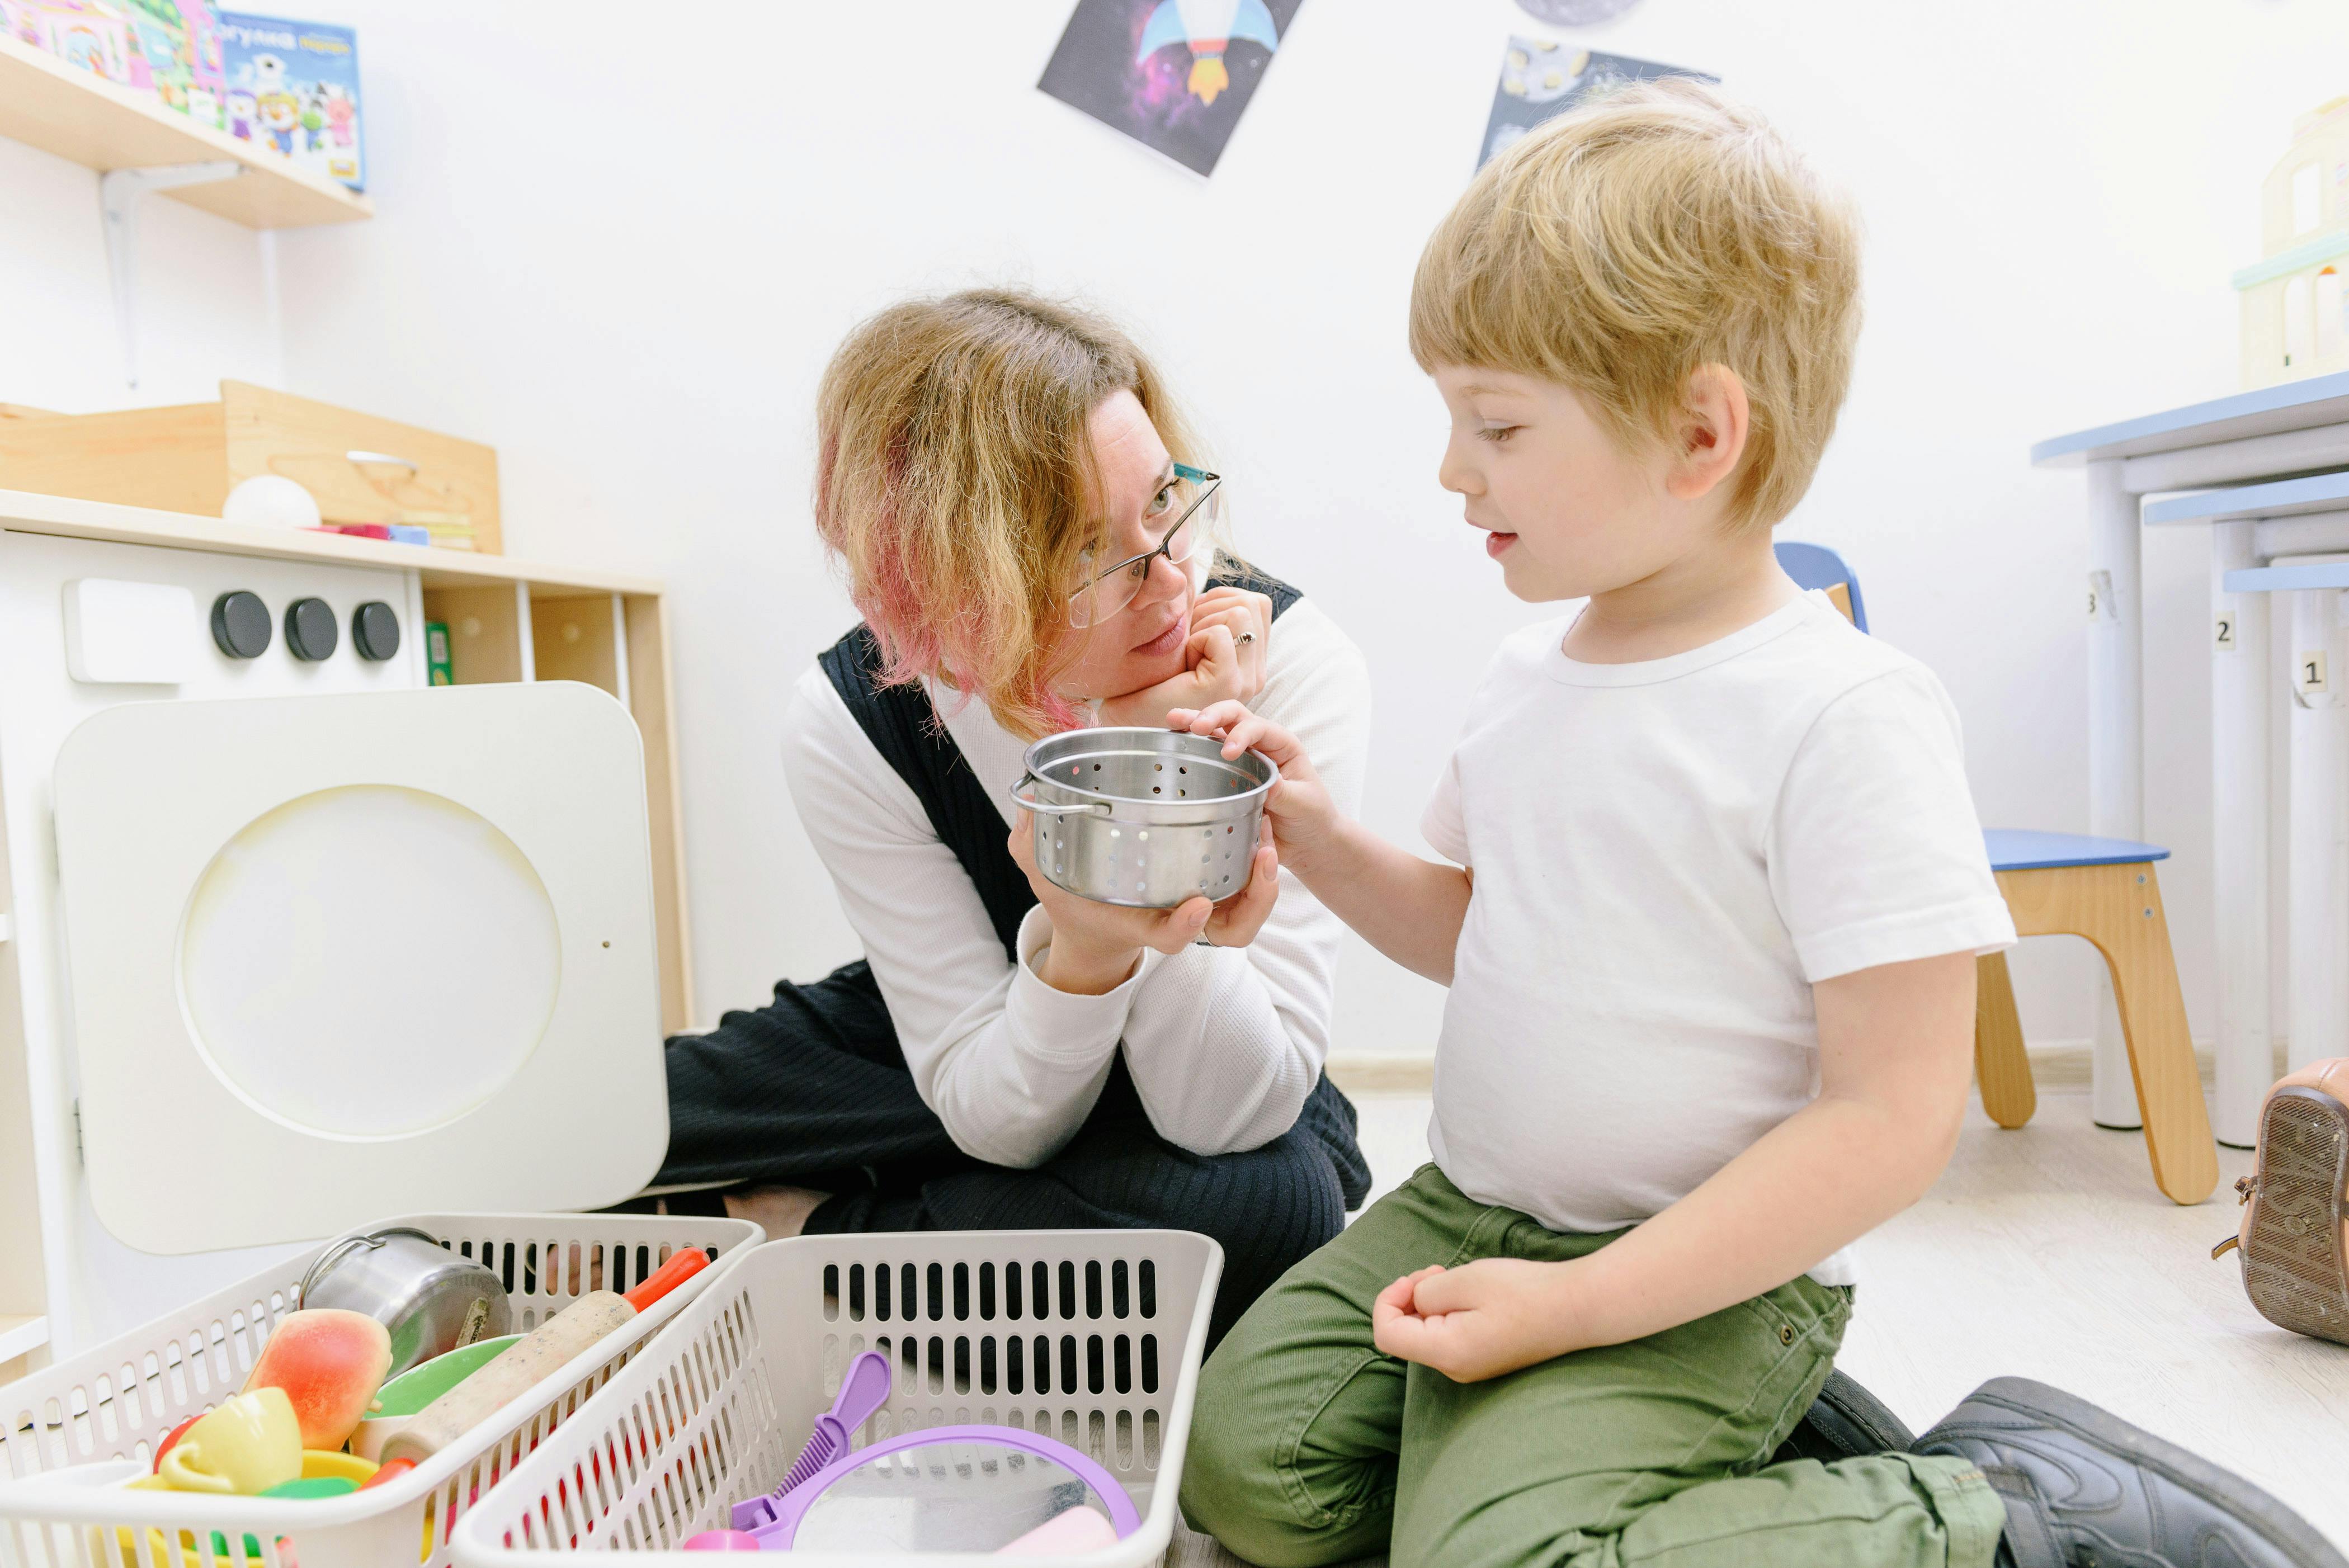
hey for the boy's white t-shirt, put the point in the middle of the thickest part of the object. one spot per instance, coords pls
(1668, 855)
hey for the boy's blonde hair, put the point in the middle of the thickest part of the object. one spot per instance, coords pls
(1618, 248)
(954, 463)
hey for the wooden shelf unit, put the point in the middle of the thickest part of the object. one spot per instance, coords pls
(102, 125)
(508, 620)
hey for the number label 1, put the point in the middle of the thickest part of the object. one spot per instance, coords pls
(2223, 636)
(2309, 676)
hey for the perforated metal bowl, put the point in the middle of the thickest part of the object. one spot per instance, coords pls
(1145, 818)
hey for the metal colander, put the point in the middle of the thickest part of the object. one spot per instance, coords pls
(1144, 818)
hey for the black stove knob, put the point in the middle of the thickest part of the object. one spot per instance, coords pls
(310, 629)
(375, 630)
(241, 625)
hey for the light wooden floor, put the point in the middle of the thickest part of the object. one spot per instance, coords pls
(2046, 1252)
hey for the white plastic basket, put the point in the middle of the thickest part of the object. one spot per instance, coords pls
(715, 1412)
(71, 1431)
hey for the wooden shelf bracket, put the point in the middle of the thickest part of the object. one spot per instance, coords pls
(119, 190)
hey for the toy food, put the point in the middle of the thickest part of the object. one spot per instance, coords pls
(330, 1363)
(387, 1472)
(575, 1328)
(247, 1444)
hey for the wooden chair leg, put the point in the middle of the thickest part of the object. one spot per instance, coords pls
(2161, 1048)
(2118, 908)
(2000, 1061)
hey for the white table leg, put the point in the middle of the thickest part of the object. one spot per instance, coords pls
(2116, 736)
(2320, 848)
(2240, 701)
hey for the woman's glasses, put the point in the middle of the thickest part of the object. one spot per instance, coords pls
(1181, 498)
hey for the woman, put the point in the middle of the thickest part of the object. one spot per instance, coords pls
(1023, 525)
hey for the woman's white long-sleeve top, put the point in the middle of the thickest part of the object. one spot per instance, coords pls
(1222, 1044)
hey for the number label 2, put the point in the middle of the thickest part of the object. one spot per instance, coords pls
(2222, 637)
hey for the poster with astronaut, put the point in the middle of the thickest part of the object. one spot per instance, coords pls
(1540, 78)
(1174, 74)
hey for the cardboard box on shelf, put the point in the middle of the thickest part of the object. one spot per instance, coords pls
(360, 469)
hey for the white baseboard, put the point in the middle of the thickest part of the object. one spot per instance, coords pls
(1368, 1073)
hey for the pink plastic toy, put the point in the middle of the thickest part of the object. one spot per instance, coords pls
(738, 1541)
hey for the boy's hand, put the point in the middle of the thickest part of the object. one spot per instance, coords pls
(1480, 1319)
(1302, 815)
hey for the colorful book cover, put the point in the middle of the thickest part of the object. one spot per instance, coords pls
(294, 88)
(438, 671)
(176, 55)
(93, 34)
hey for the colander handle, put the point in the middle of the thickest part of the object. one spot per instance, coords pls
(1030, 802)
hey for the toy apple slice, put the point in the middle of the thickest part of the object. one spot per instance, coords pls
(330, 1363)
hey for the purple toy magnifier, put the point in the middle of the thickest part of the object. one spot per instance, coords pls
(943, 1489)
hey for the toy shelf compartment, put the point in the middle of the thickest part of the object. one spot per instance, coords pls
(1093, 1338)
(64, 110)
(70, 1433)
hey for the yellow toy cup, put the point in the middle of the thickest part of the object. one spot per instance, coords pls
(249, 1443)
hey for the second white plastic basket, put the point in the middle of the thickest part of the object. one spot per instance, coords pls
(1093, 1337)
(70, 1433)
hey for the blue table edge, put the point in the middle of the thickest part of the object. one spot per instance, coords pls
(2239, 404)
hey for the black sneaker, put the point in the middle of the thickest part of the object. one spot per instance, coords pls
(2082, 1487)
(1843, 1422)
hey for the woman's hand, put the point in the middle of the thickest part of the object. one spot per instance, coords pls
(1096, 945)
(1248, 617)
(1480, 1319)
(1217, 665)
(1302, 815)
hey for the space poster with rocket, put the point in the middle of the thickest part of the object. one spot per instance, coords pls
(1174, 74)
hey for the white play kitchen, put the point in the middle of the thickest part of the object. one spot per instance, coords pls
(293, 942)
(329, 995)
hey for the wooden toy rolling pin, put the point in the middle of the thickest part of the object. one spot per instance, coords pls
(574, 1329)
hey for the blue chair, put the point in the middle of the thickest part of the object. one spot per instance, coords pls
(1815, 566)
(2101, 889)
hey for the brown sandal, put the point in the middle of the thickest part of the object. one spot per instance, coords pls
(2293, 1245)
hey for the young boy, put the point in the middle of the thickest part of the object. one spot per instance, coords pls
(1710, 941)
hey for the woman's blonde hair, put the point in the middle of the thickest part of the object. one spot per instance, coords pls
(952, 474)
(1618, 248)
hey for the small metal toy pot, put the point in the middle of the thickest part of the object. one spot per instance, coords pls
(431, 1300)
(1145, 818)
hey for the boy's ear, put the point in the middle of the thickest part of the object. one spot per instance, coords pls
(1709, 433)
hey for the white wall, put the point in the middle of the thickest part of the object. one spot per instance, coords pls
(622, 257)
(204, 297)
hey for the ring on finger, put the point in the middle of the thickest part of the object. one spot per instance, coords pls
(1244, 638)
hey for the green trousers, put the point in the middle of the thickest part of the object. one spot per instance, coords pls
(1311, 1446)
